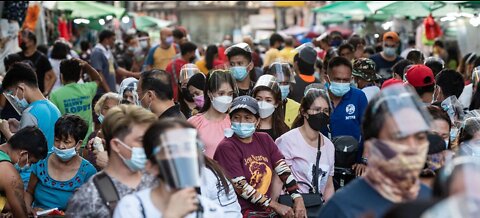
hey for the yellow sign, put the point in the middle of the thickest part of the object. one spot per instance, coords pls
(289, 3)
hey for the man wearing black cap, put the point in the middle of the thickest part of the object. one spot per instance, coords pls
(304, 66)
(241, 65)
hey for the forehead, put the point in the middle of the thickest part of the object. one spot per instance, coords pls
(225, 87)
(320, 102)
(238, 58)
(390, 42)
(341, 71)
(406, 121)
(242, 113)
(264, 94)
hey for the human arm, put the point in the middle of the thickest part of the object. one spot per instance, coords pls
(126, 73)
(329, 189)
(49, 82)
(13, 187)
(149, 60)
(94, 75)
(29, 193)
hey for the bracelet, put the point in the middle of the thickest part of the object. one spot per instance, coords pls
(295, 196)
(364, 160)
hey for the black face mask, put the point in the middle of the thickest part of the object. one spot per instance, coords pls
(192, 59)
(23, 46)
(319, 122)
(186, 95)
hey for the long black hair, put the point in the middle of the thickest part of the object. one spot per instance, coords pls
(307, 102)
(278, 117)
(210, 54)
(215, 79)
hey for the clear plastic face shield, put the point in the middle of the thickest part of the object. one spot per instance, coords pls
(459, 180)
(454, 109)
(475, 77)
(180, 158)
(283, 72)
(187, 71)
(11, 99)
(218, 82)
(128, 91)
(267, 81)
(406, 114)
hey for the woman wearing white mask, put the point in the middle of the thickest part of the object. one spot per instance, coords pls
(55, 178)
(268, 95)
(212, 120)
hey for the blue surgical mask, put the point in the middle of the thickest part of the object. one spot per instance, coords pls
(100, 118)
(339, 89)
(243, 130)
(285, 89)
(389, 52)
(21, 104)
(239, 72)
(24, 168)
(65, 154)
(137, 161)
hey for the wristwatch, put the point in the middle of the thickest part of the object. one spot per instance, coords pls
(364, 160)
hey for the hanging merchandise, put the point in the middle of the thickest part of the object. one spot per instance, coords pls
(63, 28)
(33, 13)
(432, 28)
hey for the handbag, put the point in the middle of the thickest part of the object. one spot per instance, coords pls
(314, 199)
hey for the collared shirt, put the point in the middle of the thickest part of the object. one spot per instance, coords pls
(346, 118)
(173, 111)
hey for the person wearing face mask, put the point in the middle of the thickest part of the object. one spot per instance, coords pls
(155, 91)
(22, 150)
(269, 97)
(187, 50)
(348, 103)
(251, 159)
(448, 83)
(159, 56)
(42, 66)
(212, 120)
(123, 129)
(20, 87)
(395, 128)
(128, 91)
(103, 61)
(300, 145)
(133, 55)
(276, 41)
(422, 79)
(55, 178)
(241, 65)
(186, 101)
(304, 66)
(286, 80)
(365, 76)
(385, 59)
(195, 87)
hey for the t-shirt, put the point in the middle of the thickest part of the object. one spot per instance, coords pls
(384, 67)
(50, 193)
(358, 198)
(159, 57)
(270, 56)
(211, 132)
(299, 88)
(103, 61)
(56, 69)
(466, 96)
(202, 65)
(42, 114)
(76, 98)
(41, 64)
(291, 111)
(3, 199)
(86, 201)
(346, 118)
(213, 189)
(301, 157)
(370, 92)
(254, 161)
(178, 63)
(287, 54)
(140, 205)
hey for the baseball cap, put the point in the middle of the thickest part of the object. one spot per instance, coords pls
(391, 35)
(245, 102)
(308, 54)
(243, 46)
(419, 76)
(365, 68)
(390, 82)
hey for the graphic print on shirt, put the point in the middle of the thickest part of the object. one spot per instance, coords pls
(261, 173)
(350, 109)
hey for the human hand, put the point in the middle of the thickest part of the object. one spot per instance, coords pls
(182, 203)
(101, 158)
(282, 210)
(14, 125)
(359, 169)
(4, 126)
(299, 208)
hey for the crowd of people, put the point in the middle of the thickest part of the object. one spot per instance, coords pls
(182, 130)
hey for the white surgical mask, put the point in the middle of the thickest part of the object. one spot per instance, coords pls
(266, 109)
(222, 103)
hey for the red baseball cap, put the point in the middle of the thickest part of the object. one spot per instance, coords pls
(419, 76)
(390, 82)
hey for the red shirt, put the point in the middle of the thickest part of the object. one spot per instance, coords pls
(179, 62)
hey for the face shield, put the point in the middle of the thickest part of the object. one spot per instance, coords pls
(471, 125)
(407, 112)
(187, 71)
(269, 82)
(454, 109)
(244, 46)
(180, 158)
(283, 72)
(128, 91)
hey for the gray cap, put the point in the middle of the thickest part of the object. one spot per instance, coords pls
(245, 102)
(308, 54)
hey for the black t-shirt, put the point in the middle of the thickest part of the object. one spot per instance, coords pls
(268, 131)
(173, 111)
(41, 64)
(384, 67)
(299, 88)
(242, 92)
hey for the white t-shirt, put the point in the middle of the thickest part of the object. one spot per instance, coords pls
(130, 206)
(300, 156)
(466, 96)
(56, 69)
(212, 189)
(370, 92)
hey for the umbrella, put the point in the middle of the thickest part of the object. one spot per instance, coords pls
(353, 8)
(146, 22)
(88, 9)
(419, 9)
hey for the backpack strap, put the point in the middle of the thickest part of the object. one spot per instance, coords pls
(107, 190)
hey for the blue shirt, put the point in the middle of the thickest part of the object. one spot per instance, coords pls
(43, 114)
(106, 65)
(384, 67)
(50, 193)
(358, 198)
(346, 118)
